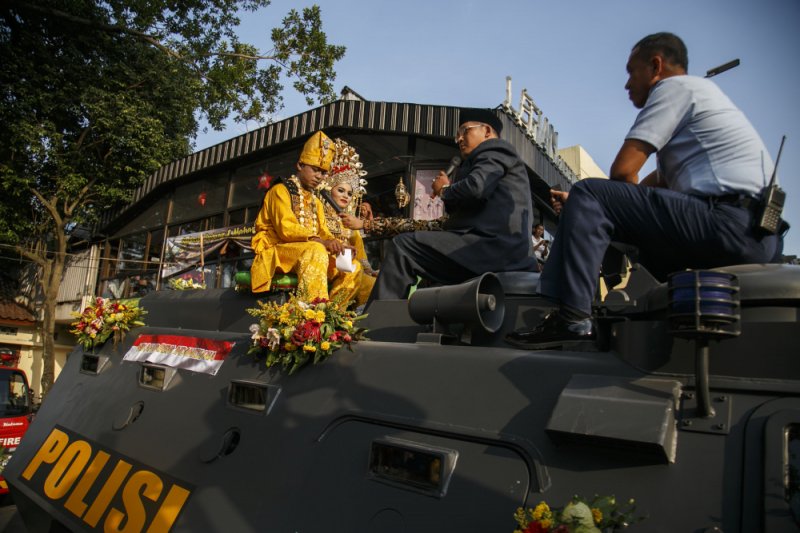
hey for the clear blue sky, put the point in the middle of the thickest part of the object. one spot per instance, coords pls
(569, 54)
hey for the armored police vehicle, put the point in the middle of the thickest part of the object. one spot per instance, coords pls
(689, 402)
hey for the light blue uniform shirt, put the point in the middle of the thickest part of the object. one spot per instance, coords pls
(705, 145)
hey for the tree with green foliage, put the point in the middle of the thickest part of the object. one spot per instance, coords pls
(96, 95)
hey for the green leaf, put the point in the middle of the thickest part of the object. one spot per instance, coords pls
(97, 95)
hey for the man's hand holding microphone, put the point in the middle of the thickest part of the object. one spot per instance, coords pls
(442, 180)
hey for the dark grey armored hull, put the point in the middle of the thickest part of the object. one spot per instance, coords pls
(508, 427)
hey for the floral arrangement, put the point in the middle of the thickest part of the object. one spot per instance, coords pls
(106, 318)
(185, 282)
(297, 332)
(578, 516)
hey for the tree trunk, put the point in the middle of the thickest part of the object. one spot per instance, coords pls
(51, 281)
(48, 338)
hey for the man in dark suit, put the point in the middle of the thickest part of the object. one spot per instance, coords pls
(489, 215)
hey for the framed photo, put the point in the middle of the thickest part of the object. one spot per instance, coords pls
(425, 207)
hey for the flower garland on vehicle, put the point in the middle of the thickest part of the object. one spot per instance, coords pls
(578, 516)
(184, 283)
(105, 318)
(297, 332)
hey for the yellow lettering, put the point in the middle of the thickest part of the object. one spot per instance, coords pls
(75, 503)
(48, 452)
(113, 483)
(169, 510)
(67, 469)
(152, 486)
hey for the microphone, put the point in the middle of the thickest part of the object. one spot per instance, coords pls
(454, 163)
(326, 195)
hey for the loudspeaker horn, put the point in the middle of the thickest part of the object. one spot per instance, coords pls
(477, 302)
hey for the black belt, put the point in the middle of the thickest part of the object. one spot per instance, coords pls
(739, 200)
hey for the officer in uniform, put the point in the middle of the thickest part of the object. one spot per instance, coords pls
(696, 210)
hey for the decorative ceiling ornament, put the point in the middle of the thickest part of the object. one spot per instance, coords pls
(401, 194)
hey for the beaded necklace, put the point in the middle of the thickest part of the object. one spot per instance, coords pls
(335, 225)
(303, 205)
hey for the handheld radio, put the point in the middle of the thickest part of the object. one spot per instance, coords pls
(772, 199)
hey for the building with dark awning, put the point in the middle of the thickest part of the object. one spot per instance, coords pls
(193, 217)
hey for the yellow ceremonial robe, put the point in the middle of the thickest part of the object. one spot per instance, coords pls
(364, 281)
(281, 244)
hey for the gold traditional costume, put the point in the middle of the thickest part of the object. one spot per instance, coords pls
(289, 217)
(347, 169)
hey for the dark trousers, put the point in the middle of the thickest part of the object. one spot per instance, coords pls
(421, 253)
(672, 230)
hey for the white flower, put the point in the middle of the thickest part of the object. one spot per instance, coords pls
(274, 337)
(580, 515)
(255, 331)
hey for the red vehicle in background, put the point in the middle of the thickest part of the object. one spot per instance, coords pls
(16, 411)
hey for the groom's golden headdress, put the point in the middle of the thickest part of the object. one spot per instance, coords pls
(318, 151)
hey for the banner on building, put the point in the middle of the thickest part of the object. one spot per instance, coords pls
(191, 249)
(175, 351)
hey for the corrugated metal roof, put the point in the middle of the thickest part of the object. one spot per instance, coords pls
(378, 117)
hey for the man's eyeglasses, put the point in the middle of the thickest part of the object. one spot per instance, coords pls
(464, 129)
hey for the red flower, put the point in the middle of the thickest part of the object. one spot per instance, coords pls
(319, 300)
(536, 527)
(347, 337)
(306, 331)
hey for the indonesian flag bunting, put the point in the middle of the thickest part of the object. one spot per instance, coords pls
(189, 353)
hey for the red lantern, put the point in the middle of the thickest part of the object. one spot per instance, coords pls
(201, 199)
(264, 181)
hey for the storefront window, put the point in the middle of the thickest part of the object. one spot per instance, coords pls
(154, 251)
(237, 217)
(153, 217)
(189, 227)
(200, 198)
(196, 226)
(381, 195)
(132, 252)
(249, 183)
(110, 255)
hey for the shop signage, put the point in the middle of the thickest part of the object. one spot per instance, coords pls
(537, 126)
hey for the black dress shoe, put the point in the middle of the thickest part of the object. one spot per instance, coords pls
(552, 332)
